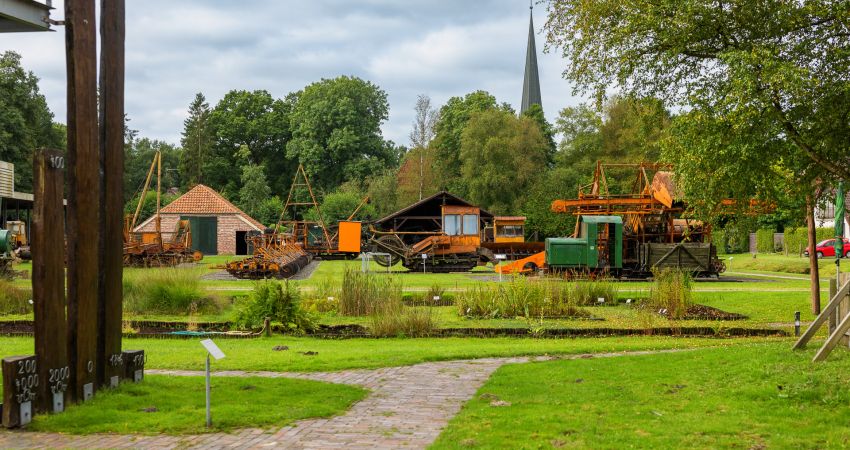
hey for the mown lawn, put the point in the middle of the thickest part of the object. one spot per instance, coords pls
(176, 405)
(741, 396)
(779, 263)
(339, 354)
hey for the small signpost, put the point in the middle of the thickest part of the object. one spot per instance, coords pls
(216, 353)
(500, 257)
(424, 259)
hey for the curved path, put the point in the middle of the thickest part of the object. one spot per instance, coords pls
(407, 408)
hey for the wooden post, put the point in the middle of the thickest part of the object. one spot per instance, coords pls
(84, 197)
(110, 364)
(813, 257)
(48, 280)
(134, 365)
(20, 378)
(822, 317)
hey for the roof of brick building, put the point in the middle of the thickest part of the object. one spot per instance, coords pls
(204, 200)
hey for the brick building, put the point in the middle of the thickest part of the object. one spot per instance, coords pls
(218, 227)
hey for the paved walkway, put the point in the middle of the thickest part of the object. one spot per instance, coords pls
(407, 408)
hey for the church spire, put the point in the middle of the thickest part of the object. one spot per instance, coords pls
(531, 82)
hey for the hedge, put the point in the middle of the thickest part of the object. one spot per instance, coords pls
(796, 240)
(764, 241)
(731, 240)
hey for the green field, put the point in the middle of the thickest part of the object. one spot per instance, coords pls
(176, 405)
(736, 396)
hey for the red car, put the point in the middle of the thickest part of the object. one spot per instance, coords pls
(826, 248)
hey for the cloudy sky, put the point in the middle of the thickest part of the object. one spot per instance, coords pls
(441, 48)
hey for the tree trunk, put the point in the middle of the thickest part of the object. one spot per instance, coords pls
(813, 257)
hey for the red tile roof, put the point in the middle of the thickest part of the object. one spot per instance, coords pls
(205, 200)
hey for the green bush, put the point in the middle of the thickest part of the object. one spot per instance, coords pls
(588, 292)
(278, 301)
(732, 239)
(14, 300)
(671, 290)
(167, 291)
(520, 298)
(797, 240)
(764, 240)
(362, 293)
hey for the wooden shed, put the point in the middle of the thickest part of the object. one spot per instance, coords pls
(218, 226)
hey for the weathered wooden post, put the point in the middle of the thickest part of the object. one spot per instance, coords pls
(111, 366)
(48, 280)
(20, 380)
(84, 197)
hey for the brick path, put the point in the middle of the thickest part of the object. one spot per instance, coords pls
(407, 408)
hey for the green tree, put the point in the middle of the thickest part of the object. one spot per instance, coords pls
(771, 70)
(336, 124)
(138, 156)
(25, 121)
(254, 192)
(148, 206)
(501, 156)
(453, 118)
(535, 113)
(340, 204)
(256, 120)
(382, 189)
(196, 141)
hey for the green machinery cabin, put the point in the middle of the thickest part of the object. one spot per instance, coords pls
(599, 246)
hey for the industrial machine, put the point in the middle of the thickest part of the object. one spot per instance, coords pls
(20, 244)
(6, 256)
(276, 255)
(157, 249)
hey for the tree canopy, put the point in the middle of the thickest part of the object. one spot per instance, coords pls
(763, 83)
(336, 123)
(26, 123)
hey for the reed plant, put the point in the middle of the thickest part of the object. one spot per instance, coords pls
(14, 300)
(280, 302)
(394, 319)
(363, 293)
(167, 291)
(671, 290)
(520, 298)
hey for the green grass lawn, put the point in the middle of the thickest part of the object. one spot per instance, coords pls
(176, 405)
(339, 354)
(779, 263)
(742, 396)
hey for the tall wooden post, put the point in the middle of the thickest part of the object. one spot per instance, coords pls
(48, 280)
(111, 368)
(84, 198)
(813, 258)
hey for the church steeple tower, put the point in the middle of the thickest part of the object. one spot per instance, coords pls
(531, 82)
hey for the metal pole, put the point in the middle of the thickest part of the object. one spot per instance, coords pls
(796, 323)
(209, 416)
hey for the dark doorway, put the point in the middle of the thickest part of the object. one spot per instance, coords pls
(241, 244)
(204, 234)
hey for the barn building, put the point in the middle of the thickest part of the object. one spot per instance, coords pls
(218, 226)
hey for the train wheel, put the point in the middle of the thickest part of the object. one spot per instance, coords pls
(391, 244)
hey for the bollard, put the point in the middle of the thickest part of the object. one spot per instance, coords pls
(20, 384)
(796, 323)
(134, 365)
(267, 327)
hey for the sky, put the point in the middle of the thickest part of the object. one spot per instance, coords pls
(441, 48)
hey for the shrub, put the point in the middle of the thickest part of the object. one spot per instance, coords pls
(362, 293)
(14, 300)
(278, 301)
(324, 299)
(764, 240)
(797, 239)
(167, 291)
(520, 298)
(671, 290)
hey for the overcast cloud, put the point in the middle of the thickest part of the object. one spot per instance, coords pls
(441, 48)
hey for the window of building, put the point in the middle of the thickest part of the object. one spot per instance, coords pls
(451, 224)
(470, 224)
(510, 231)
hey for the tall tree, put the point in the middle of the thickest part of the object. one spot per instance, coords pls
(138, 156)
(454, 116)
(424, 121)
(196, 141)
(254, 192)
(502, 156)
(25, 121)
(764, 81)
(261, 123)
(336, 123)
(535, 113)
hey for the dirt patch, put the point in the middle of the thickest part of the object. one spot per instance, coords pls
(702, 312)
